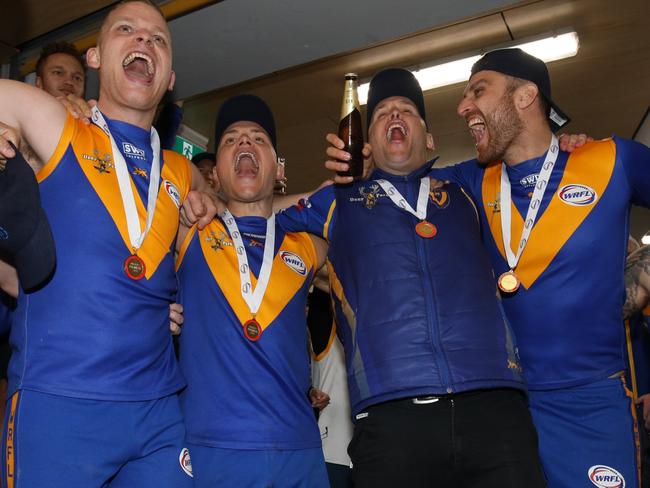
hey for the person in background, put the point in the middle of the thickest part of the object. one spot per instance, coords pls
(329, 375)
(205, 162)
(61, 70)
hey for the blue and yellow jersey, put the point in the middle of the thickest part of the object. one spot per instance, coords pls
(242, 394)
(92, 332)
(567, 315)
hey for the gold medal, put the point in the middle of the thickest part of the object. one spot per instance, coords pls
(252, 330)
(134, 267)
(426, 229)
(508, 282)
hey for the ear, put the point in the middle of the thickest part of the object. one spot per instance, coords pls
(172, 80)
(430, 144)
(279, 170)
(39, 82)
(92, 57)
(525, 95)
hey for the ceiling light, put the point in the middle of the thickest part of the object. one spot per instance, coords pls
(547, 49)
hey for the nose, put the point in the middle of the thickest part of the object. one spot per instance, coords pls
(395, 114)
(464, 107)
(244, 140)
(145, 37)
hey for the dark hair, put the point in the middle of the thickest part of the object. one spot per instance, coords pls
(204, 155)
(56, 48)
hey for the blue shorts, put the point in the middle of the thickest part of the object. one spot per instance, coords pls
(54, 441)
(587, 435)
(228, 468)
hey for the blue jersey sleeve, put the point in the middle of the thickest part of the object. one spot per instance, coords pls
(468, 175)
(635, 158)
(315, 214)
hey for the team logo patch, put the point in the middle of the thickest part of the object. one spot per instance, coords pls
(529, 181)
(218, 242)
(185, 462)
(440, 198)
(576, 194)
(4, 235)
(173, 192)
(294, 261)
(605, 477)
(370, 196)
(131, 151)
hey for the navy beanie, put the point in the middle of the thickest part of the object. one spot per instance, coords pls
(395, 82)
(245, 107)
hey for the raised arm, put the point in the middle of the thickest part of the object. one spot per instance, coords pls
(38, 116)
(637, 281)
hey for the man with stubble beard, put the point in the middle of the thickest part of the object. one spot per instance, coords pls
(93, 377)
(561, 273)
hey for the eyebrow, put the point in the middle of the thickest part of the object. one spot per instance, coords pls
(474, 84)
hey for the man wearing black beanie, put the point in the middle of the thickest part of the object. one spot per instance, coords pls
(567, 262)
(435, 384)
(243, 286)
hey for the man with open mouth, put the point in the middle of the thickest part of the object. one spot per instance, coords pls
(93, 377)
(435, 384)
(555, 226)
(243, 286)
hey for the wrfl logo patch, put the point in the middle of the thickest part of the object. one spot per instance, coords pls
(294, 261)
(185, 462)
(173, 192)
(576, 194)
(605, 477)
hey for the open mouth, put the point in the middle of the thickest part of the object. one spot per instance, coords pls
(246, 164)
(396, 131)
(477, 129)
(140, 66)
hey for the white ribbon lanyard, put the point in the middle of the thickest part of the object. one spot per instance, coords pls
(400, 201)
(136, 234)
(253, 298)
(533, 207)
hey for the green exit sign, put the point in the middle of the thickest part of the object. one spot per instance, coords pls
(187, 148)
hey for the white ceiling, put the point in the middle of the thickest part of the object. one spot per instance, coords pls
(238, 40)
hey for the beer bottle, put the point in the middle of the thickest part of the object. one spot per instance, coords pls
(350, 131)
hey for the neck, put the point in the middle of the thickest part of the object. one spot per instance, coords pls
(400, 171)
(138, 118)
(259, 208)
(531, 143)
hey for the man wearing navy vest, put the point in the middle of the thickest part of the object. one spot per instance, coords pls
(435, 384)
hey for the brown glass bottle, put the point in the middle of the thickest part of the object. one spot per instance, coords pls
(350, 131)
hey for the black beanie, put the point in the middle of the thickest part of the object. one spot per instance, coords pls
(395, 82)
(244, 107)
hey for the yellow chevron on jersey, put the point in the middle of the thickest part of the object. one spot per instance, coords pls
(560, 220)
(285, 280)
(92, 148)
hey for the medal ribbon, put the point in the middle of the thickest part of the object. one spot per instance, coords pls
(533, 207)
(253, 298)
(136, 234)
(400, 201)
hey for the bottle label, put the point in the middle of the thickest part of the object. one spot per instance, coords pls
(350, 99)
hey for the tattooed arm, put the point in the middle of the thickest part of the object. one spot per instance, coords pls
(637, 281)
